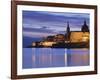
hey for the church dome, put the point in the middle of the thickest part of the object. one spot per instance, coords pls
(85, 27)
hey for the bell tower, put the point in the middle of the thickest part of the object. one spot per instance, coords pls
(67, 34)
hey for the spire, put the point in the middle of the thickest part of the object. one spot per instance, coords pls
(67, 23)
(67, 34)
(68, 29)
(85, 22)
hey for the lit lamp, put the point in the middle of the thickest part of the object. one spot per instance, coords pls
(48, 43)
(33, 44)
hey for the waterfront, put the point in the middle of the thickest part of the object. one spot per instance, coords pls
(54, 57)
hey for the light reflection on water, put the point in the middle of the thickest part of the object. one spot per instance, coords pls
(53, 57)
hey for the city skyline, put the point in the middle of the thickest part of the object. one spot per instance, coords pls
(40, 24)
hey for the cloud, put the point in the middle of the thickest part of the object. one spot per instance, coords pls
(65, 14)
(36, 34)
(38, 23)
(42, 29)
(42, 16)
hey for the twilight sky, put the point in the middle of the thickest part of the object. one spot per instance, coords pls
(38, 24)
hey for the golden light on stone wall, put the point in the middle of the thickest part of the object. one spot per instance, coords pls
(76, 36)
(79, 36)
(85, 37)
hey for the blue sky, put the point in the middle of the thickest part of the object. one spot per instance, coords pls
(39, 24)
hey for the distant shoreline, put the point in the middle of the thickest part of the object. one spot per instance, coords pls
(64, 45)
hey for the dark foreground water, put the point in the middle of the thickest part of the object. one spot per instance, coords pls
(53, 57)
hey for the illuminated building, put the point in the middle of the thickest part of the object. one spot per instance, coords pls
(68, 38)
(78, 36)
(59, 38)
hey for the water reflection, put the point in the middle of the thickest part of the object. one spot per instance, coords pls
(78, 57)
(52, 57)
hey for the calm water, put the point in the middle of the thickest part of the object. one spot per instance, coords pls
(53, 57)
